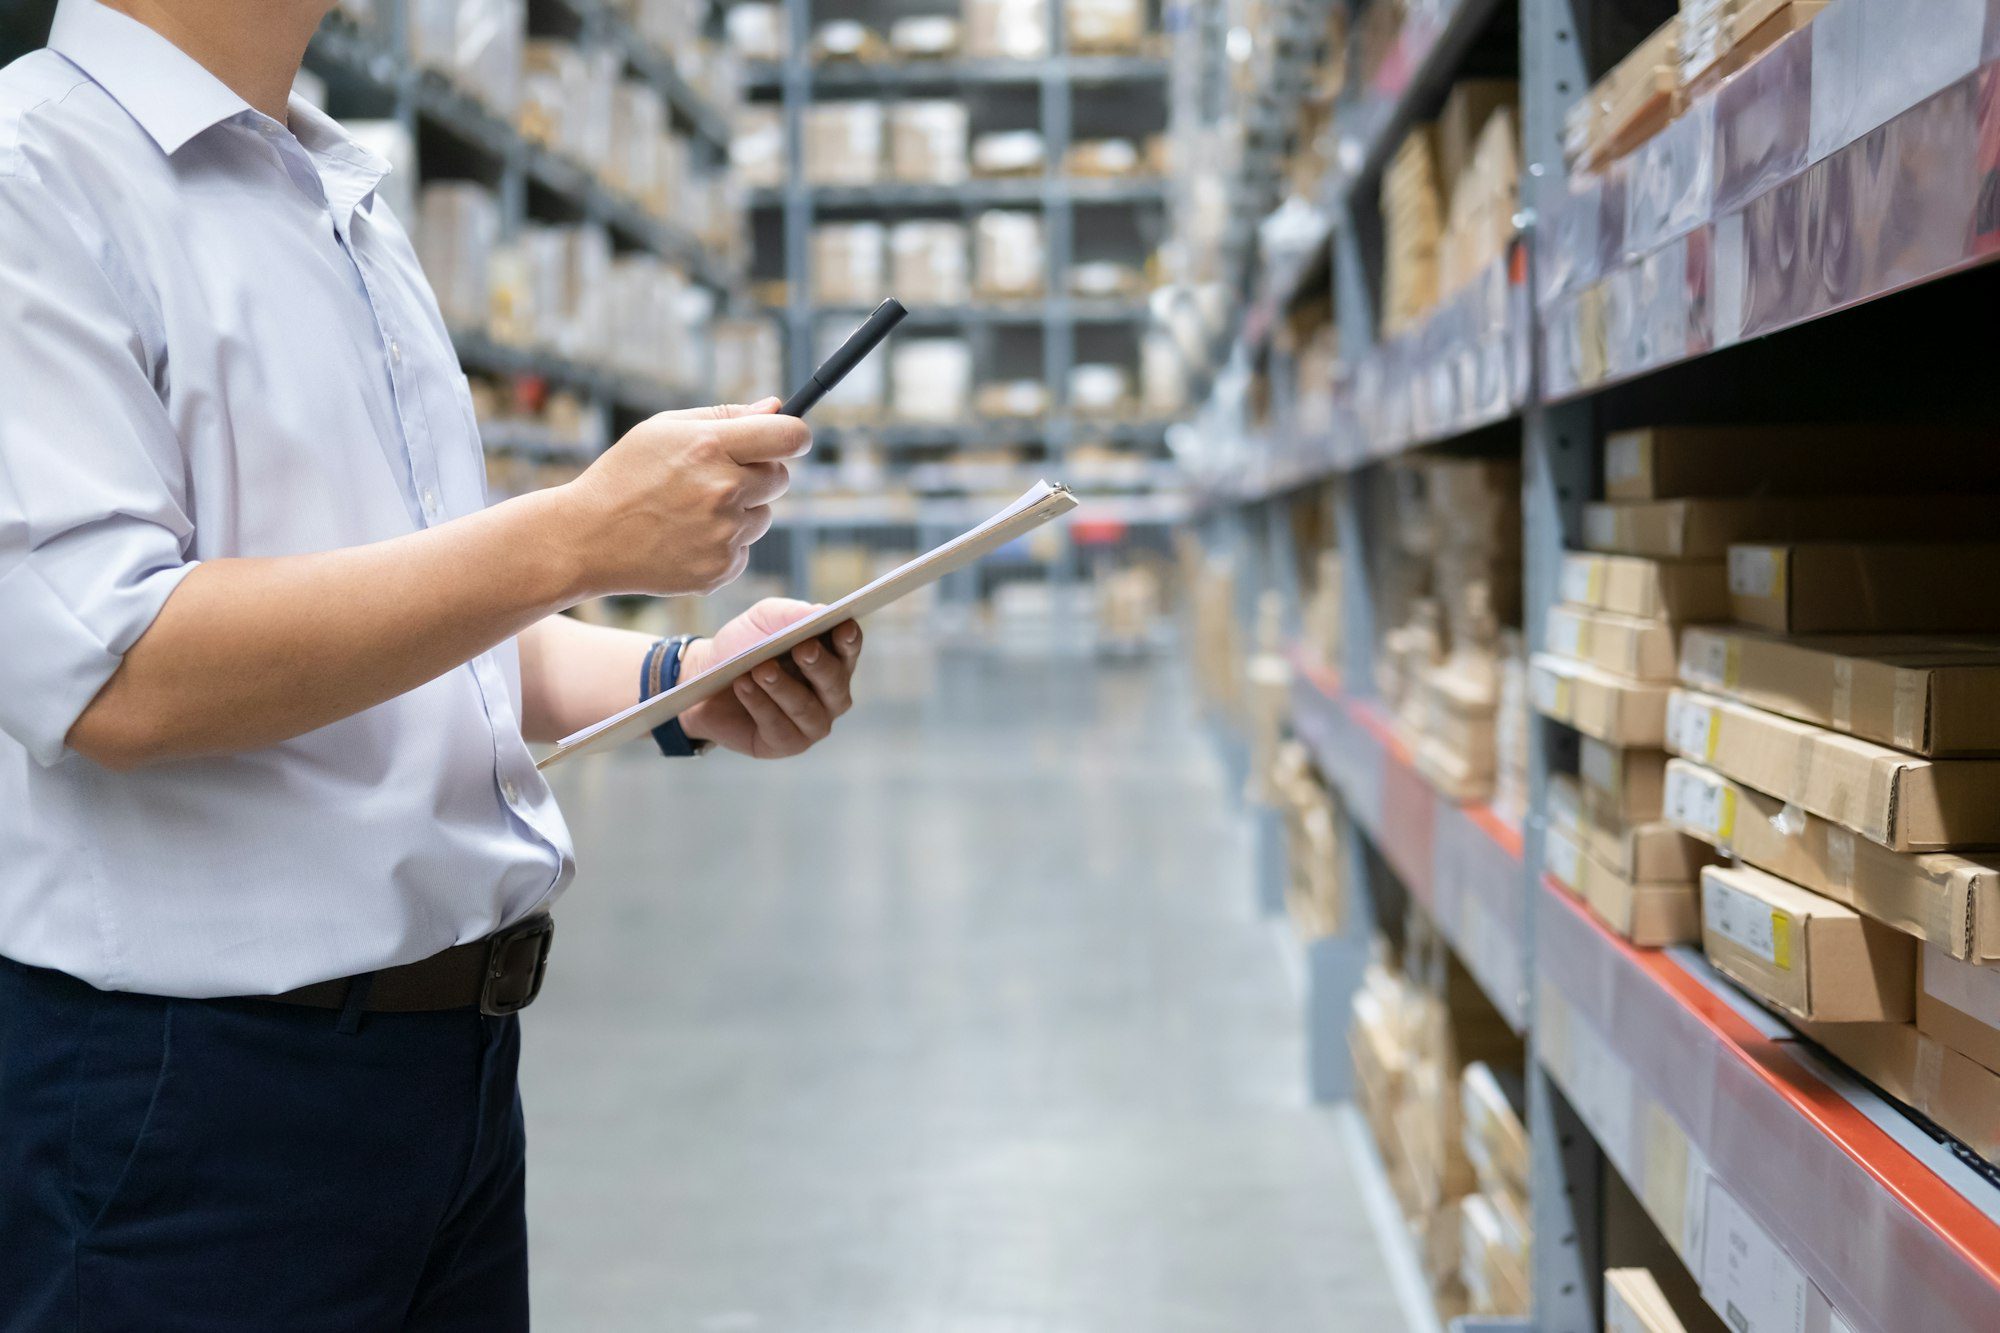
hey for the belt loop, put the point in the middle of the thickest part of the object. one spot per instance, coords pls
(356, 1002)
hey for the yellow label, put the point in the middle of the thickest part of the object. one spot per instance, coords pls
(1725, 819)
(1781, 940)
(1732, 663)
(1714, 733)
(1596, 582)
(1562, 697)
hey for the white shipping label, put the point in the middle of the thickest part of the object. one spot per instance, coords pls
(1600, 526)
(1690, 726)
(1745, 921)
(1566, 634)
(1563, 859)
(1749, 1281)
(1696, 802)
(1624, 458)
(1753, 571)
(1966, 987)
(1579, 584)
(1705, 659)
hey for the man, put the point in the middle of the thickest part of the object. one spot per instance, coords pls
(269, 666)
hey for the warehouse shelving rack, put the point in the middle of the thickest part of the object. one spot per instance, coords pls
(1798, 190)
(1055, 81)
(370, 73)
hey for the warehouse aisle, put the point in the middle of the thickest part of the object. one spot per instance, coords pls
(991, 1041)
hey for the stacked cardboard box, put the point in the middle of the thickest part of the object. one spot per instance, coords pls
(1006, 29)
(1494, 1233)
(929, 263)
(1411, 1044)
(1105, 27)
(927, 142)
(1459, 534)
(1479, 155)
(1719, 37)
(1316, 834)
(1009, 254)
(1629, 105)
(931, 378)
(849, 263)
(844, 142)
(1412, 220)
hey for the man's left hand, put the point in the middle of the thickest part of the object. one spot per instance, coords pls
(785, 706)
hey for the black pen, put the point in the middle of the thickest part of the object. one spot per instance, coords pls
(845, 358)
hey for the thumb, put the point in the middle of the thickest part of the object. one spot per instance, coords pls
(775, 613)
(724, 411)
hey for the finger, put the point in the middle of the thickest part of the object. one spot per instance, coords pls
(764, 482)
(773, 726)
(800, 702)
(756, 522)
(722, 411)
(763, 437)
(828, 673)
(847, 642)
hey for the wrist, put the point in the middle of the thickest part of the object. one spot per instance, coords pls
(695, 659)
(563, 528)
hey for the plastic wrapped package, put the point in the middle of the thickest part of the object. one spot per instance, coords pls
(757, 148)
(1098, 389)
(1010, 254)
(486, 55)
(927, 142)
(1009, 153)
(860, 395)
(1104, 157)
(566, 100)
(931, 378)
(844, 143)
(1105, 27)
(1012, 398)
(567, 271)
(1007, 29)
(1163, 375)
(749, 360)
(848, 263)
(847, 39)
(756, 30)
(658, 323)
(929, 263)
(1103, 279)
(457, 225)
(924, 37)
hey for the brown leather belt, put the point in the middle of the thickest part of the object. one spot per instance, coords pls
(501, 974)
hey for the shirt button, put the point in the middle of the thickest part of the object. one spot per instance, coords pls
(395, 351)
(430, 499)
(511, 791)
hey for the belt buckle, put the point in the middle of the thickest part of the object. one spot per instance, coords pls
(517, 958)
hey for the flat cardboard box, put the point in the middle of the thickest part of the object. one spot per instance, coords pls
(1496, 1139)
(1960, 1095)
(1634, 1303)
(1597, 703)
(1674, 462)
(1651, 915)
(1940, 897)
(1931, 696)
(1810, 956)
(1681, 591)
(1958, 1005)
(1903, 801)
(1707, 528)
(1866, 587)
(1622, 645)
(1619, 782)
(1649, 851)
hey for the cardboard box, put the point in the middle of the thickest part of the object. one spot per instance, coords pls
(1652, 850)
(1941, 897)
(1681, 591)
(1622, 645)
(1931, 696)
(1707, 528)
(1634, 1303)
(1958, 1094)
(1958, 1005)
(1496, 1140)
(844, 143)
(849, 263)
(1651, 915)
(1866, 587)
(1810, 956)
(928, 142)
(1903, 801)
(1493, 1255)
(1597, 703)
(1676, 462)
(930, 262)
(1621, 783)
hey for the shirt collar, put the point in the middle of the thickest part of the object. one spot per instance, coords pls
(161, 86)
(356, 171)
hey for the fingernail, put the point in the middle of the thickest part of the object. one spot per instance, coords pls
(808, 654)
(850, 634)
(744, 688)
(769, 675)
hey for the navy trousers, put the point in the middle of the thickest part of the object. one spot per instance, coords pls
(240, 1166)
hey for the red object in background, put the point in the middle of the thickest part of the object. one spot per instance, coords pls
(1097, 531)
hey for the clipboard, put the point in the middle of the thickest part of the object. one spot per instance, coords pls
(1038, 505)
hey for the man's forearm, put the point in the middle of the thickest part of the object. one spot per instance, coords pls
(573, 674)
(246, 653)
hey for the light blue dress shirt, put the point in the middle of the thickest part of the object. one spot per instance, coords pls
(215, 341)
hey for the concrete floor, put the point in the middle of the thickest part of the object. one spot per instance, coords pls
(964, 1024)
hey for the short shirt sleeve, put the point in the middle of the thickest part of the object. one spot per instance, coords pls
(94, 530)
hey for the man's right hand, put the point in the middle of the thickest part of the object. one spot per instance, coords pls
(675, 505)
